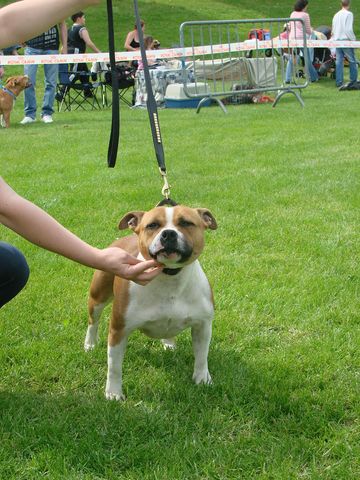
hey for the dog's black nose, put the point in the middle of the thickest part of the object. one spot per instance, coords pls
(168, 237)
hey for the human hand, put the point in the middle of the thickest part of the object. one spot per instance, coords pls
(124, 265)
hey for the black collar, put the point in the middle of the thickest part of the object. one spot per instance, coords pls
(171, 271)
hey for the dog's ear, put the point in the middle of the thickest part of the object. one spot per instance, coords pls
(208, 218)
(131, 220)
(11, 82)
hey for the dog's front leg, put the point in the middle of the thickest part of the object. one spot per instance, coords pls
(201, 336)
(6, 119)
(114, 377)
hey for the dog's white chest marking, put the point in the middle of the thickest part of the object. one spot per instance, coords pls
(167, 306)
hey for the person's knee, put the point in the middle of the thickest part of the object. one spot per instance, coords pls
(14, 272)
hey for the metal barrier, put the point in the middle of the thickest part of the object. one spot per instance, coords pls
(234, 58)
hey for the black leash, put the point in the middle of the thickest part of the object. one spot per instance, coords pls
(151, 105)
(153, 112)
(115, 122)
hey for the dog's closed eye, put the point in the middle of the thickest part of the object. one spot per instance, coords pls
(185, 223)
(153, 226)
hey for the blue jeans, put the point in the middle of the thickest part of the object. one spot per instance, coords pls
(51, 74)
(349, 53)
(311, 69)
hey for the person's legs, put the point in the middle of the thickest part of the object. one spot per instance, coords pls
(311, 69)
(51, 75)
(339, 66)
(30, 96)
(14, 272)
(350, 55)
(289, 68)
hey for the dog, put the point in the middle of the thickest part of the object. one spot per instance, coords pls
(178, 298)
(8, 94)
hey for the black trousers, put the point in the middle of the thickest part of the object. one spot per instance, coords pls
(14, 272)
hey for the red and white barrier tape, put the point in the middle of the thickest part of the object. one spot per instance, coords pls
(173, 52)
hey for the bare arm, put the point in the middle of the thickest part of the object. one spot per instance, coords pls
(129, 38)
(25, 19)
(63, 37)
(84, 34)
(32, 223)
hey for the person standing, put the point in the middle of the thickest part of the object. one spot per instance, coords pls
(296, 33)
(45, 44)
(342, 29)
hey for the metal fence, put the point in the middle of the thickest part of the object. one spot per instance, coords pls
(233, 59)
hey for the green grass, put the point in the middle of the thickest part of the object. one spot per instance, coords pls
(284, 265)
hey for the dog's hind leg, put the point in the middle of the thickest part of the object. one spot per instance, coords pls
(101, 293)
(201, 336)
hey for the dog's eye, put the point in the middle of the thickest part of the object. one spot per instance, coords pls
(185, 223)
(153, 226)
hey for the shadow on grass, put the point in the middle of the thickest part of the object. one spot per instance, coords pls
(250, 407)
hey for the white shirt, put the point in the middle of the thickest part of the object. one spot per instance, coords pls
(342, 26)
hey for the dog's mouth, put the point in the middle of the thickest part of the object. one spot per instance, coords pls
(171, 256)
(167, 255)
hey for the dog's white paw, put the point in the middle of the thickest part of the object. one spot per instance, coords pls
(202, 377)
(92, 338)
(117, 396)
(168, 343)
(89, 346)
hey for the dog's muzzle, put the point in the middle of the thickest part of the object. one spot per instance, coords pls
(169, 240)
(170, 246)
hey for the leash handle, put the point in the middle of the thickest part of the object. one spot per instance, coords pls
(150, 102)
(115, 122)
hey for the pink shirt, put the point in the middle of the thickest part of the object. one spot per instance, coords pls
(296, 28)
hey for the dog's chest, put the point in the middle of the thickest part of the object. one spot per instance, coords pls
(170, 304)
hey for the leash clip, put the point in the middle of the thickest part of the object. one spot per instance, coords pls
(166, 188)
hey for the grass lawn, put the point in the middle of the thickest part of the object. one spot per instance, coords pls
(283, 185)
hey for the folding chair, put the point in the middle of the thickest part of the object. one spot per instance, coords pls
(71, 95)
(126, 78)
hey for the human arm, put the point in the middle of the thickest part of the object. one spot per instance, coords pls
(25, 19)
(34, 224)
(349, 21)
(308, 27)
(84, 34)
(63, 37)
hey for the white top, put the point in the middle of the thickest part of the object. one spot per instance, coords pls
(342, 26)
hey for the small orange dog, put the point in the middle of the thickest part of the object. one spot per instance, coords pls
(8, 94)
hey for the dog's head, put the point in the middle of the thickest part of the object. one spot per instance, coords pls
(174, 236)
(18, 83)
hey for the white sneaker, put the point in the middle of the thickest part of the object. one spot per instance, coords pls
(47, 119)
(27, 120)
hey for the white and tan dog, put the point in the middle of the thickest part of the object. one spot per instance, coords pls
(180, 297)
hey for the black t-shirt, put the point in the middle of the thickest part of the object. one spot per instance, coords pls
(46, 41)
(74, 39)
